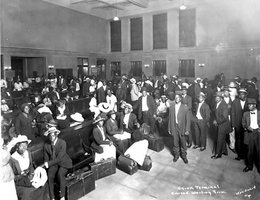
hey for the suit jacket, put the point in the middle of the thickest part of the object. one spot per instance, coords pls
(246, 123)
(112, 127)
(237, 113)
(131, 123)
(221, 116)
(23, 126)
(183, 120)
(61, 157)
(204, 111)
(150, 103)
(101, 95)
(187, 101)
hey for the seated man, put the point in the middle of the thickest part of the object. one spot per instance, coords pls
(101, 144)
(118, 136)
(56, 161)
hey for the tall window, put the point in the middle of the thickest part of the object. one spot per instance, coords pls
(159, 67)
(160, 31)
(83, 67)
(115, 69)
(136, 26)
(115, 35)
(136, 68)
(187, 28)
(187, 68)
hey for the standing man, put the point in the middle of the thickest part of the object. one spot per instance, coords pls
(238, 107)
(178, 127)
(146, 108)
(221, 122)
(251, 124)
(201, 121)
(56, 161)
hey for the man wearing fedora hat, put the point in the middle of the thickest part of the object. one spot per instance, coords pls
(56, 161)
(251, 125)
(238, 108)
(222, 125)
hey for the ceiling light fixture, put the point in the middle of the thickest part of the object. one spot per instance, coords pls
(183, 7)
(116, 18)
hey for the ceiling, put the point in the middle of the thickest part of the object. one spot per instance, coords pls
(107, 9)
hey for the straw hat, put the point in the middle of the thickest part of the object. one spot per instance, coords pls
(52, 130)
(104, 107)
(98, 119)
(132, 80)
(52, 123)
(77, 117)
(21, 139)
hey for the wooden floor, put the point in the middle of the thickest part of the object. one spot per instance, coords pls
(202, 178)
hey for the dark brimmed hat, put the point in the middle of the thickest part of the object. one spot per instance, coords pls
(178, 92)
(144, 89)
(242, 90)
(111, 112)
(201, 94)
(52, 123)
(98, 119)
(251, 101)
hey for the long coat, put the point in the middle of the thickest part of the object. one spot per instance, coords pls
(237, 113)
(183, 117)
(23, 126)
(150, 103)
(221, 116)
(131, 123)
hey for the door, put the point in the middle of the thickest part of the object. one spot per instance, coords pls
(17, 64)
(101, 68)
(66, 73)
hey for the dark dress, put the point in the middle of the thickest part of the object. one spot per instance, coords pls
(23, 126)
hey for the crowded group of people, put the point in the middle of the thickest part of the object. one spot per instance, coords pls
(125, 111)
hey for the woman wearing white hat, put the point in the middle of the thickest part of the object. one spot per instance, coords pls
(21, 163)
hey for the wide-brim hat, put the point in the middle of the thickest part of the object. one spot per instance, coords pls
(52, 123)
(111, 112)
(21, 139)
(77, 117)
(201, 94)
(52, 130)
(251, 101)
(132, 80)
(232, 85)
(98, 119)
(127, 105)
(242, 90)
(218, 94)
(178, 92)
(104, 107)
(144, 89)
(225, 88)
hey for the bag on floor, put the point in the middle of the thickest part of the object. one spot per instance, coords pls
(127, 165)
(155, 143)
(147, 165)
(103, 168)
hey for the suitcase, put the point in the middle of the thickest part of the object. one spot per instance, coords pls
(127, 165)
(103, 168)
(155, 143)
(80, 184)
(147, 165)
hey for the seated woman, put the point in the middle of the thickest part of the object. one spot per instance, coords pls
(21, 163)
(62, 114)
(118, 136)
(56, 161)
(93, 107)
(101, 144)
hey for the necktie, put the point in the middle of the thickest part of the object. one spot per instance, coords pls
(53, 151)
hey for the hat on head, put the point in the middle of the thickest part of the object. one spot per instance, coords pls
(77, 117)
(163, 96)
(21, 139)
(111, 112)
(254, 79)
(198, 79)
(129, 106)
(201, 94)
(237, 78)
(178, 92)
(232, 85)
(98, 119)
(144, 89)
(24, 105)
(251, 101)
(218, 94)
(124, 77)
(52, 123)
(225, 88)
(132, 80)
(242, 90)
(52, 130)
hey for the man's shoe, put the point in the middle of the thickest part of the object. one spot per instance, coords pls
(238, 158)
(217, 156)
(202, 148)
(246, 169)
(175, 159)
(225, 153)
(195, 147)
(189, 145)
(185, 160)
(213, 157)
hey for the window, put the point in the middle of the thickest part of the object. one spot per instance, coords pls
(83, 67)
(115, 34)
(115, 69)
(160, 31)
(187, 28)
(187, 68)
(159, 67)
(136, 27)
(136, 68)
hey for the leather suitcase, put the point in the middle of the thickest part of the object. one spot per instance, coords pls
(127, 165)
(103, 168)
(80, 184)
(155, 143)
(147, 165)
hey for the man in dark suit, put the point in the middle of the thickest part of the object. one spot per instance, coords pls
(251, 124)
(222, 123)
(146, 108)
(238, 107)
(178, 127)
(200, 122)
(56, 161)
